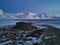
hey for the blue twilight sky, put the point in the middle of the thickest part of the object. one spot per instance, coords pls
(14, 6)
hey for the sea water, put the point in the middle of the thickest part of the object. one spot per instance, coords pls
(5, 22)
(13, 22)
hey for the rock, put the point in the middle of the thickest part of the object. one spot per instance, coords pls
(23, 26)
(36, 33)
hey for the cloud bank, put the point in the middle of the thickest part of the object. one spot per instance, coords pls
(31, 15)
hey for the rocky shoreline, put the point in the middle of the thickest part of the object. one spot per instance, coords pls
(26, 34)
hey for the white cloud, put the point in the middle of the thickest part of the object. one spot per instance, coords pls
(12, 17)
(1, 11)
(4, 15)
(19, 13)
(32, 16)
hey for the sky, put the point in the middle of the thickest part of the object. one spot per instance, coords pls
(25, 6)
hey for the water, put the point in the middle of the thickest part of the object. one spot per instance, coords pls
(4, 22)
(13, 22)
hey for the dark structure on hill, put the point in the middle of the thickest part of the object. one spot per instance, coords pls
(23, 26)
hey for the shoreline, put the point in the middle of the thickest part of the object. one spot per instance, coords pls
(30, 36)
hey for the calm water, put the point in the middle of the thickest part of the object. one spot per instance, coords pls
(4, 22)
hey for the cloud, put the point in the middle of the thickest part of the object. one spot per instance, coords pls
(4, 15)
(1, 11)
(19, 13)
(32, 16)
(56, 14)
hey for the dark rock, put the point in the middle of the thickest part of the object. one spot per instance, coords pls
(23, 26)
(35, 33)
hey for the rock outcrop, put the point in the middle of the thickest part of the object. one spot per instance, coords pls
(24, 26)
